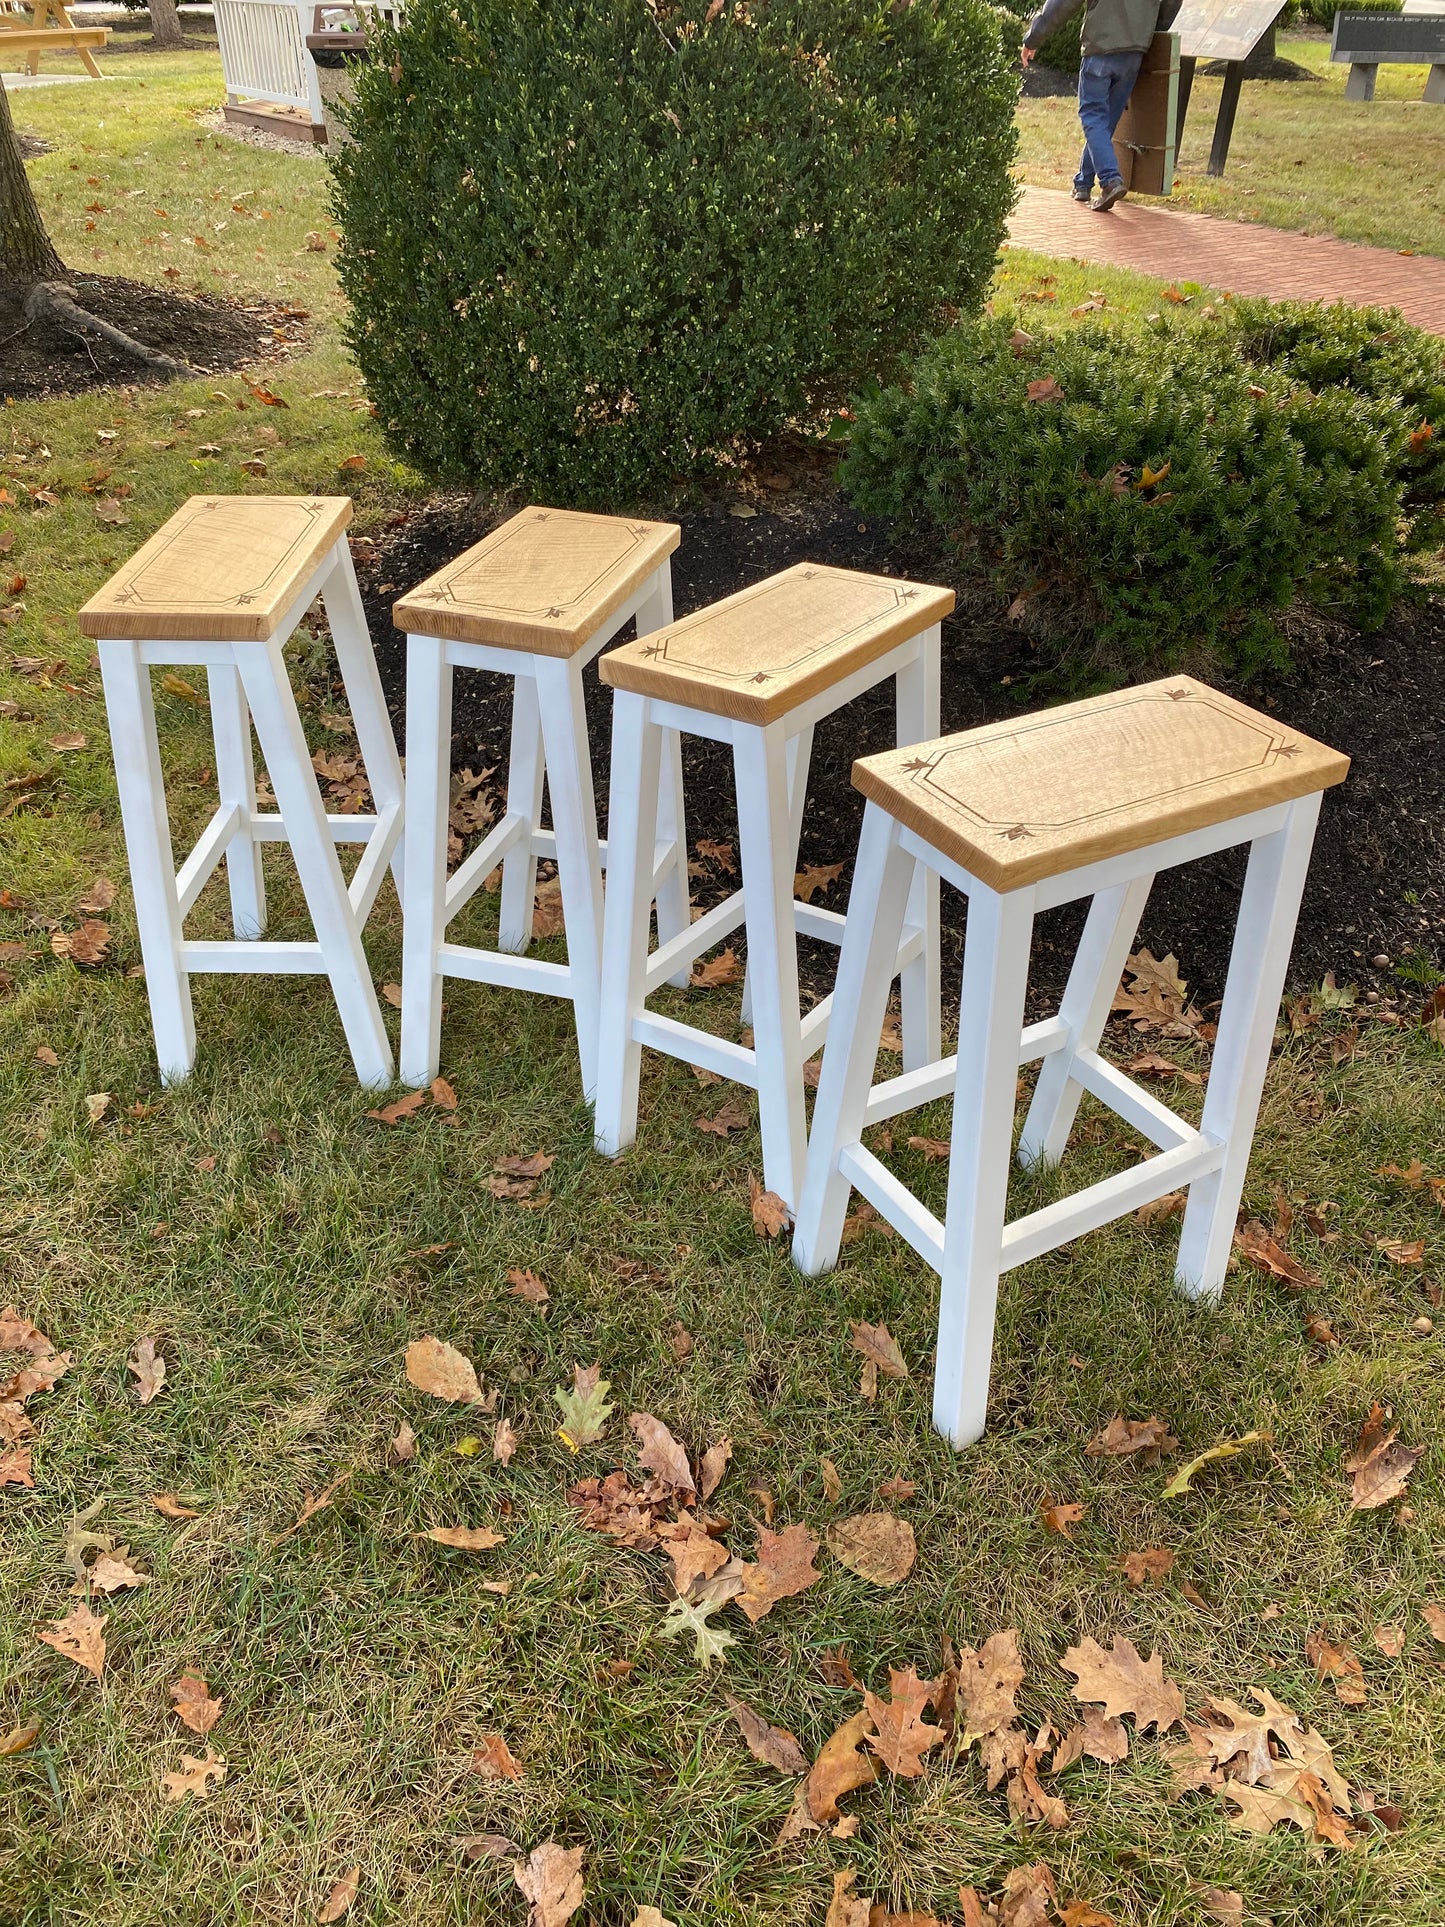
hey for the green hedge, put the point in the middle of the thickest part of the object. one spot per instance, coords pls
(1170, 487)
(592, 250)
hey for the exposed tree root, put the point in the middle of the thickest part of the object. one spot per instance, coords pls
(55, 302)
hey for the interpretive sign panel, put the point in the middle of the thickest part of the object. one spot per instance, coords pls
(1224, 29)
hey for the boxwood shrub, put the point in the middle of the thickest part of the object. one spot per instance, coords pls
(1151, 489)
(593, 249)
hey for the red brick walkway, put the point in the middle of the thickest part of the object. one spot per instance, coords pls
(1234, 255)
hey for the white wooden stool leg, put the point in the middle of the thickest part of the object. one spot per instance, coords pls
(882, 879)
(424, 889)
(995, 978)
(131, 714)
(631, 829)
(356, 659)
(799, 760)
(919, 697)
(1098, 966)
(1268, 911)
(288, 761)
(525, 770)
(236, 781)
(579, 865)
(766, 855)
(674, 898)
(674, 895)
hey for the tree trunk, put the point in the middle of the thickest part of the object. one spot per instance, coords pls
(26, 254)
(165, 24)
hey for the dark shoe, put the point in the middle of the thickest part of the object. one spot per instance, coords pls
(1082, 194)
(1109, 193)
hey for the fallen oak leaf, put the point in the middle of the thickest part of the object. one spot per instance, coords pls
(1122, 1681)
(527, 1286)
(734, 1116)
(692, 1616)
(584, 1409)
(20, 1738)
(311, 1504)
(987, 1682)
(771, 1217)
(879, 1348)
(784, 1568)
(493, 1759)
(694, 1553)
(504, 1442)
(901, 1735)
(773, 1745)
(1180, 1483)
(194, 1706)
(170, 1507)
(1154, 1562)
(1099, 1736)
(112, 1572)
(403, 1107)
(723, 969)
(1062, 1516)
(195, 1775)
(80, 1637)
(1254, 1243)
(714, 1464)
(1339, 1664)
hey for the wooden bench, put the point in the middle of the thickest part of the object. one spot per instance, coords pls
(1371, 40)
(32, 36)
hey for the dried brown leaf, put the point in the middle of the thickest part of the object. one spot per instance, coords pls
(149, 1368)
(551, 1880)
(771, 1217)
(879, 1348)
(1123, 1682)
(527, 1286)
(493, 1759)
(784, 1567)
(773, 1745)
(465, 1538)
(877, 1546)
(902, 1736)
(1148, 1438)
(842, 1765)
(660, 1453)
(80, 1636)
(193, 1703)
(342, 1897)
(195, 1775)
(442, 1371)
(1339, 1664)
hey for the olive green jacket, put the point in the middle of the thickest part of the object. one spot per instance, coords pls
(1110, 26)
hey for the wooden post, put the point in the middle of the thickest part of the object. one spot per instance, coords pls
(1186, 88)
(1224, 124)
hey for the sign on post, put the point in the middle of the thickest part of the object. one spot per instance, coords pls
(1227, 30)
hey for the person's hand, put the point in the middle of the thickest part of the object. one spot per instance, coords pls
(1026, 54)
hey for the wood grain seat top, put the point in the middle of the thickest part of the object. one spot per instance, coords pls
(545, 581)
(759, 653)
(1016, 801)
(224, 568)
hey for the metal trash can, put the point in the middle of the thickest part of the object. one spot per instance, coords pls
(338, 38)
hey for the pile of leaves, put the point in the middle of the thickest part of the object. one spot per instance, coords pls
(43, 1367)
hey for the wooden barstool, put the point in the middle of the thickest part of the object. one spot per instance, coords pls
(758, 671)
(223, 584)
(1087, 800)
(535, 600)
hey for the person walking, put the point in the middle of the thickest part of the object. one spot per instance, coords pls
(1116, 36)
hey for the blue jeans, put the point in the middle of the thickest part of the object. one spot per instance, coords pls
(1105, 84)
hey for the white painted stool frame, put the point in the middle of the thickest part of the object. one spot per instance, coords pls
(976, 1244)
(549, 740)
(248, 681)
(770, 762)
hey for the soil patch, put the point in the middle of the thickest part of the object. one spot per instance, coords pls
(1377, 883)
(1047, 83)
(31, 146)
(213, 334)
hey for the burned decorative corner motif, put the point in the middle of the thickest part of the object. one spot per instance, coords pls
(1015, 831)
(553, 613)
(653, 650)
(128, 594)
(1288, 749)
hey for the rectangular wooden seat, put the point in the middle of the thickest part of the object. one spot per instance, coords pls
(1014, 802)
(59, 40)
(544, 582)
(757, 654)
(224, 568)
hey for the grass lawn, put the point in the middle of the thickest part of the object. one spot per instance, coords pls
(282, 1249)
(1302, 156)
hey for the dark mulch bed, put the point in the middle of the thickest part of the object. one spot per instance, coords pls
(1379, 697)
(209, 333)
(1047, 83)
